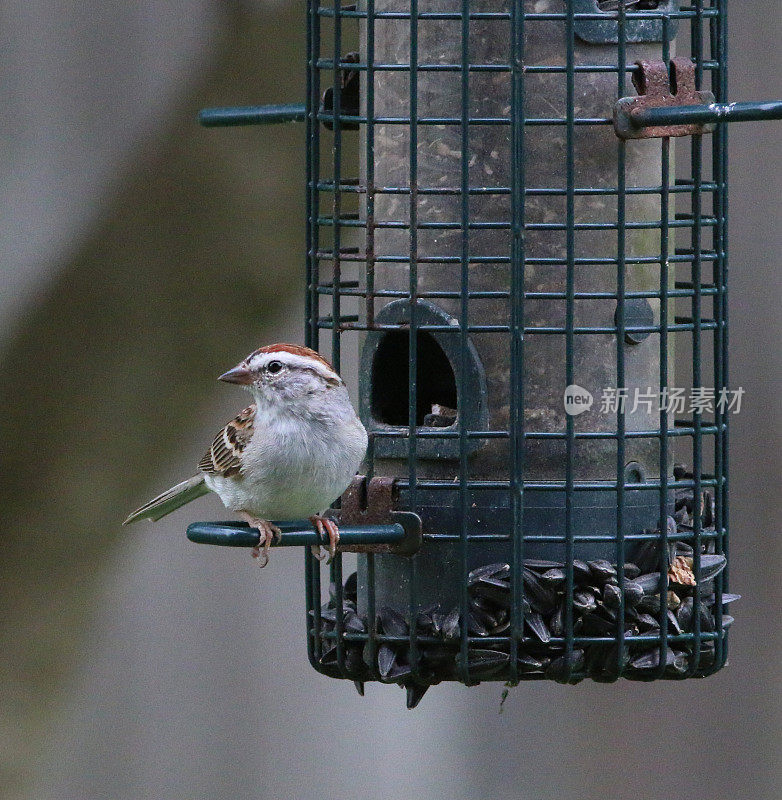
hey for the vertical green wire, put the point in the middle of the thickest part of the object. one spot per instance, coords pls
(336, 564)
(621, 209)
(311, 566)
(370, 298)
(697, 381)
(714, 43)
(725, 263)
(412, 374)
(665, 177)
(370, 165)
(719, 160)
(516, 421)
(463, 341)
(313, 205)
(569, 325)
(337, 196)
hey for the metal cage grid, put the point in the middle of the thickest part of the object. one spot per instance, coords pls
(343, 297)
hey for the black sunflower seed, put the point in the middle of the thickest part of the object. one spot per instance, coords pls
(438, 618)
(494, 589)
(541, 598)
(684, 614)
(483, 662)
(415, 691)
(553, 577)
(711, 566)
(541, 565)
(683, 549)
(488, 571)
(649, 603)
(650, 583)
(386, 658)
(354, 662)
(647, 622)
(673, 623)
(528, 663)
(563, 667)
(648, 556)
(328, 615)
(556, 623)
(596, 624)
(651, 659)
(354, 623)
(631, 571)
(450, 627)
(602, 570)
(679, 664)
(350, 591)
(399, 671)
(584, 600)
(726, 598)
(581, 571)
(612, 595)
(536, 624)
(392, 623)
(474, 625)
(633, 592)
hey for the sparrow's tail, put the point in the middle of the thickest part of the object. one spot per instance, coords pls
(171, 499)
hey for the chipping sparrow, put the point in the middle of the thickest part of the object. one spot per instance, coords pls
(288, 455)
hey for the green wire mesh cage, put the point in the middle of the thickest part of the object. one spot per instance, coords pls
(516, 223)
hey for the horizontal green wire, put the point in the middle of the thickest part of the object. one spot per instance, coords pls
(703, 114)
(251, 115)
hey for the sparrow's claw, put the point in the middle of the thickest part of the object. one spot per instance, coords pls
(317, 552)
(268, 533)
(328, 527)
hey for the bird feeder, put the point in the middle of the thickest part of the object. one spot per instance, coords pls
(497, 229)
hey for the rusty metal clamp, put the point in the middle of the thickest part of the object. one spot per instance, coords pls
(659, 88)
(368, 503)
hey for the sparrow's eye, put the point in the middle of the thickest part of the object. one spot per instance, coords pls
(274, 366)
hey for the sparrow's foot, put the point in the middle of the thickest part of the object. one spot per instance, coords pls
(318, 553)
(326, 526)
(268, 534)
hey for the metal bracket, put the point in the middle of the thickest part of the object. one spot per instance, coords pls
(349, 81)
(658, 88)
(368, 503)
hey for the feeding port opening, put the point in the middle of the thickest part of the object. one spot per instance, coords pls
(436, 405)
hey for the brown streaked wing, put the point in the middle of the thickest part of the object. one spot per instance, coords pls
(224, 457)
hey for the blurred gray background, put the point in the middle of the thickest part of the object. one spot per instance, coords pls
(141, 256)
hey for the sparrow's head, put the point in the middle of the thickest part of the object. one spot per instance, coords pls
(284, 372)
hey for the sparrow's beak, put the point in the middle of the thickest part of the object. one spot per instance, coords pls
(239, 374)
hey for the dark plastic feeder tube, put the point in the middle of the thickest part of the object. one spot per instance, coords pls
(503, 183)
